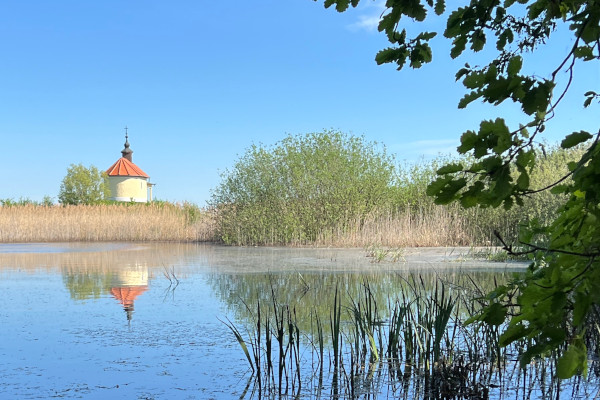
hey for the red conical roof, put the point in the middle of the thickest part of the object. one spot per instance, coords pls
(124, 167)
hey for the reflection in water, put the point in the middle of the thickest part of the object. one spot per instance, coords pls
(362, 335)
(129, 283)
(60, 310)
(312, 293)
(124, 283)
(125, 274)
(94, 270)
(60, 341)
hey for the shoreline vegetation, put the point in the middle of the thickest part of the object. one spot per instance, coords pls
(403, 216)
(165, 222)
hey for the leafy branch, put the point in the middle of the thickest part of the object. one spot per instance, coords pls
(533, 248)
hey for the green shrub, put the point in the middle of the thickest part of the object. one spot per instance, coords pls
(321, 187)
(302, 186)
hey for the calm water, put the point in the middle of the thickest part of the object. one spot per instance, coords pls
(128, 321)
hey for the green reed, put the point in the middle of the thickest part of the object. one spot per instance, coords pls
(416, 341)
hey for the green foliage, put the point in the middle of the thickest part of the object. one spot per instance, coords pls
(563, 285)
(408, 195)
(300, 187)
(83, 185)
(23, 201)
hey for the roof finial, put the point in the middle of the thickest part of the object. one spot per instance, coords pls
(127, 151)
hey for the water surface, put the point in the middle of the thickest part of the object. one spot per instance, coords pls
(113, 320)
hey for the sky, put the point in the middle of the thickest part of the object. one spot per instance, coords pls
(198, 82)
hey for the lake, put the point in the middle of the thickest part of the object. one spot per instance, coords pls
(148, 321)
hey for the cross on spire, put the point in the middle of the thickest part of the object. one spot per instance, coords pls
(127, 151)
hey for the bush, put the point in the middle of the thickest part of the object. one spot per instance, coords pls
(333, 189)
(302, 186)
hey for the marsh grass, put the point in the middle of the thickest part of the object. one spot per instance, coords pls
(106, 222)
(415, 346)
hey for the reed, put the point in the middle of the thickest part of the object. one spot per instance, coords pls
(106, 222)
(418, 345)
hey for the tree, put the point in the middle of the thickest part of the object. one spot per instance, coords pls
(301, 187)
(553, 303)
(83, 185)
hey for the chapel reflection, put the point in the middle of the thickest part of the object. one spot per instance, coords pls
(120, 271)
(128, 284)
(125, 283)
(121, 274)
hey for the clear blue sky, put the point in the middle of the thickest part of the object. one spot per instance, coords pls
(198, 82)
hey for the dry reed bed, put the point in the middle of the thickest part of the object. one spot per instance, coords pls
(431, 227)
(438, 226)
(115, 222)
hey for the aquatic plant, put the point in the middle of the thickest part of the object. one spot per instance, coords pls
(416, 345)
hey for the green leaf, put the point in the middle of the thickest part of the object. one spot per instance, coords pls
(502, 133)
(502, 39)
(469, 98)
(340, 5)
(434, 187)
(473, 80)
(573, 361)
(448, 192)
(468, 141)
(462, 72)
(472, 196)
(453, 23)
(497, 90)
(477, 40)
(440, 7)
(426, 36)
(574, 139)
(559, 189)
(537, 98)
(584, 52)
(514, 66)
(515, 331)
(523, 181)
(495, 314)
(525, 159)
(450, 169)
(460, 43)
(580, 307)
(468, 201)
